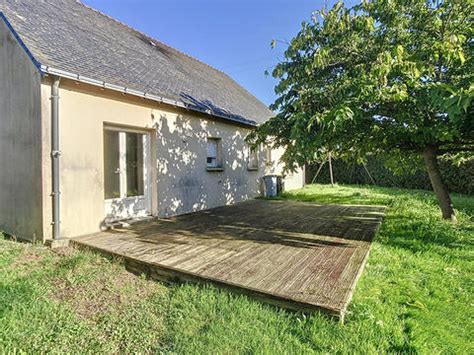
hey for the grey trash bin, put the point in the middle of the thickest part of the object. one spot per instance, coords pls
(272, 185)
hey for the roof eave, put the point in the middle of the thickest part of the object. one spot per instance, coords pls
(125, 90)
(44, 69)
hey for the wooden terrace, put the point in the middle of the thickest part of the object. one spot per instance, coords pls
(297, 255)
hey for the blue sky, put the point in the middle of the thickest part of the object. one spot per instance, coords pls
(231, 35)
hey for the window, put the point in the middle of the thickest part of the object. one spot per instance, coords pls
(214, 153)
(268, 155)
(252, 159)
(134, 162)
(124, 166)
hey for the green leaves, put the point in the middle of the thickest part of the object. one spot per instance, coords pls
(453, 101)
(369, 23)
(379, 77)
(399, 53)
(320, 58)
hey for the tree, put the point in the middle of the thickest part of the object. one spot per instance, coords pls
(385, 76)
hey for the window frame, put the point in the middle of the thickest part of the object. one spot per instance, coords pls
(218, 166)
(253, 151)
(268, 155)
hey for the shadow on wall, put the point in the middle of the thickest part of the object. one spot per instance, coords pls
(183, 183)
(178, 166)
(136, 206)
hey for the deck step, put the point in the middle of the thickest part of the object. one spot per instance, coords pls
(127, 223)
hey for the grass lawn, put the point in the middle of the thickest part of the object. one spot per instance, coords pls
(415, 295)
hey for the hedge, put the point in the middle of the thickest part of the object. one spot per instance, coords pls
(459, 178)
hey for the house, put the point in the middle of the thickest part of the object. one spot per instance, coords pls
(99, 123)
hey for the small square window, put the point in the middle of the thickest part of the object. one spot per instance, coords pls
(252, 158)
(214, 148)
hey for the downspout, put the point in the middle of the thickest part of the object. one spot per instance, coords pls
(55, 155)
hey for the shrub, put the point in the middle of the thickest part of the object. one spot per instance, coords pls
(458, 178)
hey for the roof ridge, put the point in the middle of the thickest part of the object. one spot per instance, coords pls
(150, 37)
(97, 49)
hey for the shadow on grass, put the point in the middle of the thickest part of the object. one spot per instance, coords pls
(425, 235)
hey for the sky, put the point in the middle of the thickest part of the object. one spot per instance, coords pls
(231, 35)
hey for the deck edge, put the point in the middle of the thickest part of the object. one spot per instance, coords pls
(169, 274)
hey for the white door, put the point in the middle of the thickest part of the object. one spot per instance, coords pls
(126, 174)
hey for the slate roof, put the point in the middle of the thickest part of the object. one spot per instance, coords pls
(70, 36)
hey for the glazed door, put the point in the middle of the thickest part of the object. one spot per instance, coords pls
(126, 161)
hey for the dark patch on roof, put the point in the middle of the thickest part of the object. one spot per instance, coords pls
(70, 36)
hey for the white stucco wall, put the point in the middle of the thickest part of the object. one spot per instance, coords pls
(292, 180)
(184, 185)
(180, 182)
(20, 141)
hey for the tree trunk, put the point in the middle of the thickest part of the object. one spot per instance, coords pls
(330, 169)
(439, 187)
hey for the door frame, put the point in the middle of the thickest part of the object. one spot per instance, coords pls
(147, 170)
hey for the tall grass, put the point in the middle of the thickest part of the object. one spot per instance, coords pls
(415, 295)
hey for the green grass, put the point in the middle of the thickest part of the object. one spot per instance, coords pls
(415, 295)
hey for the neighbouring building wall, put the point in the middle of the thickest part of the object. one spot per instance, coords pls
(20, 141)
(292, 180)
(295, 180)
(180, 181)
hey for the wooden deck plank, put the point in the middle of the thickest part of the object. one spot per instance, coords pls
(299, 255)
